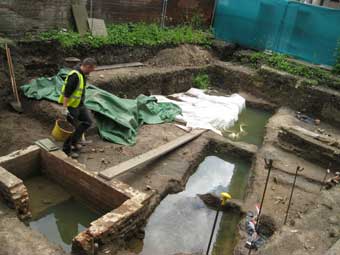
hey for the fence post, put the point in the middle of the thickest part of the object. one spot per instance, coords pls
(163, 15)
(213, 13)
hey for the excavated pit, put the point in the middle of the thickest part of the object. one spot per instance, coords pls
(57, 197)
(264, 88)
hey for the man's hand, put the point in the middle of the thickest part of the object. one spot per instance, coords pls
(65, 112)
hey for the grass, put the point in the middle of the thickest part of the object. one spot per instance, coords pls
(281, 62)
(132, 34)
(201, 81)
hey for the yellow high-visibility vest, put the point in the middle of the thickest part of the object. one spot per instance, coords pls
(75, 98)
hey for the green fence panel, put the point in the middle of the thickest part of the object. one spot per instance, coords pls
(304, 31)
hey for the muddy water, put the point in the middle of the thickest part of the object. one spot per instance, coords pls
(253, 122)
(182, 222)
(227, 233)
(55, 213)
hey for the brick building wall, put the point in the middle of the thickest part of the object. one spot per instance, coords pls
(24, 16)
(181, 11)
(21, 16)
(113, 11)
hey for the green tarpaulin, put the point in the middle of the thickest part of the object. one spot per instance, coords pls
(117, 119)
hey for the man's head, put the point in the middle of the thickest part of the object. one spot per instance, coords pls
(88, 65)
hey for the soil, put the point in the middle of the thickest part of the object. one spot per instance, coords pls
(184, 55)
(306, 202)
(313, 225)
(101, 154)
(18, 131)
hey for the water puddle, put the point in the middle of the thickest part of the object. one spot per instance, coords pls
(56, 214)
(182, 222)
(253, 122)
(227, 234)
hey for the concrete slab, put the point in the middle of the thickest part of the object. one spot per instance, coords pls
(80, 17)
(97, 27)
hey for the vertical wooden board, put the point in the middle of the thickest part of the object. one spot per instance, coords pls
(80, 17)
(99, 27)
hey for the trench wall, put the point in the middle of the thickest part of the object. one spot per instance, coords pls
(24, 163)
(14, 168)
(45, 58)
(37, 58)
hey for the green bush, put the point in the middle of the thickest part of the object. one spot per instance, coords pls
(282, 62)
(336, 68)
(132, 34)
(201, 81)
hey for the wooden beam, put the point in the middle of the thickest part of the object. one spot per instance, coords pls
(117, 66)
(149, 156)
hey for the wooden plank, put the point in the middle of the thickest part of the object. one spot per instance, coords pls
(150, 155)
(117, 66)
(80, 17)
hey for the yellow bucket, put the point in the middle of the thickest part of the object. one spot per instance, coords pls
(62, 130)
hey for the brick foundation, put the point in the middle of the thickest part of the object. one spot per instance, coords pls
(125, 208)
(14, 193)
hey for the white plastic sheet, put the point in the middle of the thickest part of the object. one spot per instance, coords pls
(200, 110)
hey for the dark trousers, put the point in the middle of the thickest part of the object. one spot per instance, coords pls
(80, 118)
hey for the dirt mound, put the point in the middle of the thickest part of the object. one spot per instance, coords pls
(184, 55)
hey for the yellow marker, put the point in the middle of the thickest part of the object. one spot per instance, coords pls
(225, 197)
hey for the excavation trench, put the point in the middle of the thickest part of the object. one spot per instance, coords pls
(276, 87)
(56, 213)
(58, 198)
(184, 220)
(69, 205)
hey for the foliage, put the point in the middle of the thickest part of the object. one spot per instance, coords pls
(132, 34)
(336, 68)
(283, 63)
(4, 41)
(201, 81)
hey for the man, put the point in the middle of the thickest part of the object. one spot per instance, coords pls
(74, 110)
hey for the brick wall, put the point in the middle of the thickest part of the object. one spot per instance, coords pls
(180, 11)
(14, 193)
(113, 11)
(70, 175)
(21, 16)
(29, 16)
